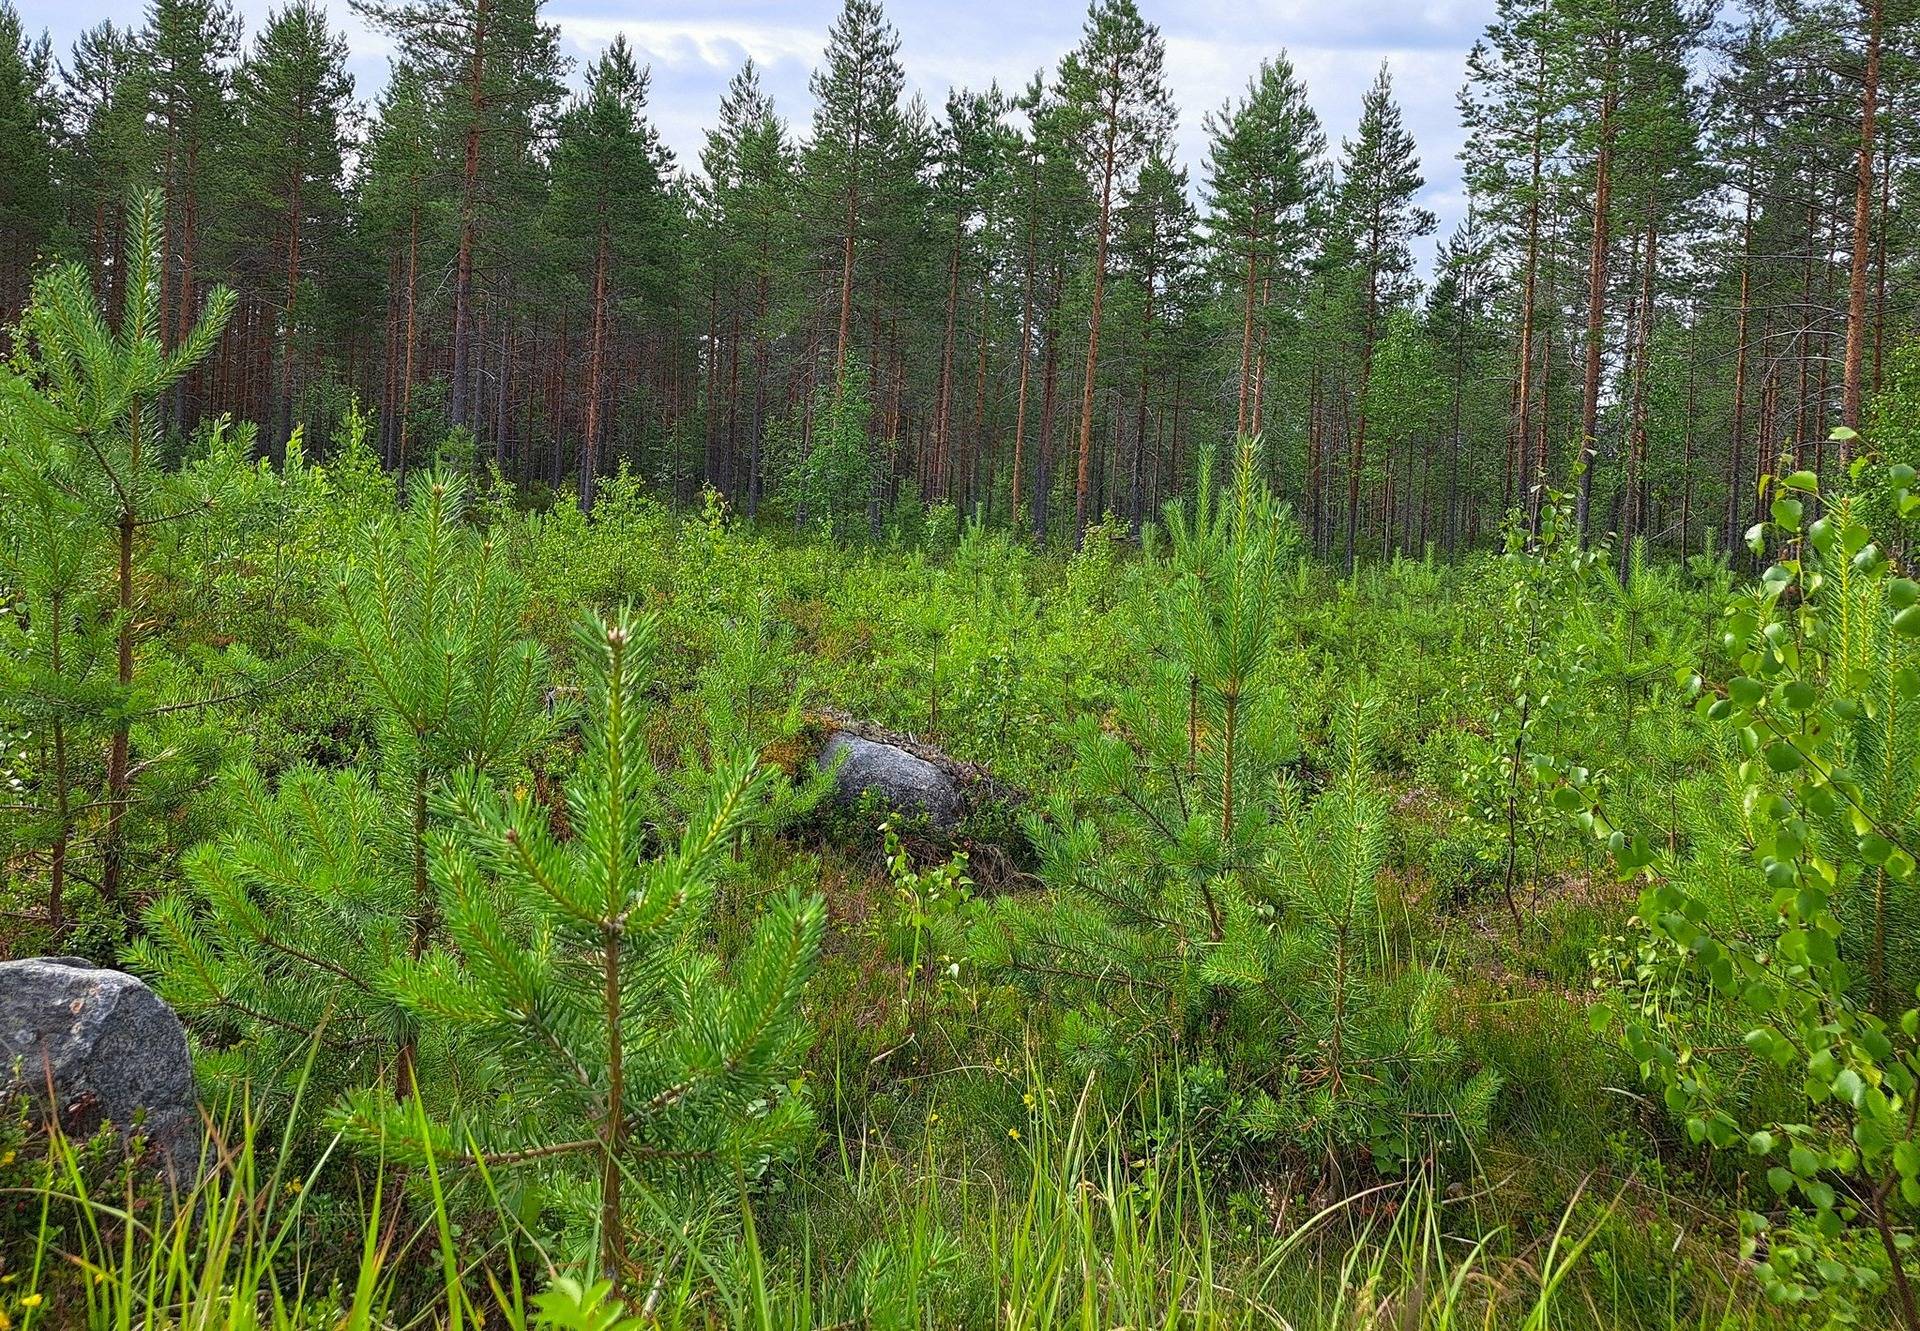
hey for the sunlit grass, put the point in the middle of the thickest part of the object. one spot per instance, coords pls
(1073, 1230)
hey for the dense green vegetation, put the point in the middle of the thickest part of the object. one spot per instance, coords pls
(1686, 247)
(1391, 894)
(1506, 940)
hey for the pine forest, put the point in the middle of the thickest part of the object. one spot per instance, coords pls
(1014, 706)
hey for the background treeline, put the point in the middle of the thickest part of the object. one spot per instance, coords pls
(1686, 252)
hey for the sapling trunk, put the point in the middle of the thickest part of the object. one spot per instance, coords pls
(612, 1245)
(1228, 736)
(404, 1073)
(1193, 722)
(62, 796)
(113, 866)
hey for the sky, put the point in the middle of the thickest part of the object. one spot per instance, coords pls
(1213, 47)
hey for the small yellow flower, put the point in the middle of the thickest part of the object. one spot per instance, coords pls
(6, 1159)
(1027, 1099)
(30, 1301)
(933, 1118)
(1014, 1133)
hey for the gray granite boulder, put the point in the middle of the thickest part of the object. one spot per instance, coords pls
(111, 1049)
(899, 779)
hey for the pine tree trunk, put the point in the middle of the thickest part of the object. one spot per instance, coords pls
(1686, 443)
(461, 408)
(596, 375)
(184, 307)
(1260, 358)
(500, 387)
(1880, 283)
(285, 419)
(1356, 457)
(612, 1225)
(1804, 341)
(1140, 404)
(1851, 393)
(937, 469)
(1633, 513)
(1530, 485)
(1043, 450)
(119, 755)
(1596, 310)
(1246, 335)
(755, 463)
(1093, 332)
(1026, 363)
(62, 785)
(413, 291)
(1734, 478)
(1314, 447)
(846, 253)
(1450, 528)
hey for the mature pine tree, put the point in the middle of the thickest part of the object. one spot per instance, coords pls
(970, 151)
(965, 259)
(857, 127)
(1513, 107)
(1113, 89)
(491, 70)
(185, 68)
(106, 125)
(750, 171)
(295, 110)
(1873, 15)
(1050, 197)
(1463, 321)
(1157, 236)
(1598, 37)
(395, 192)
(1660, 185)
(1377, 221)
(1264, 172)
(607, 205)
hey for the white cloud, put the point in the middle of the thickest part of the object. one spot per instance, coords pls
(1213, 46)
(714, 44)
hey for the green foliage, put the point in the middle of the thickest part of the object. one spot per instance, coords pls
(1523, 688)
(527, 917)
(572, 981)
(288, 926)
(1797, 981)
(79, 405)
(1371, 1064)
(832, 481)
(1197, 891)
